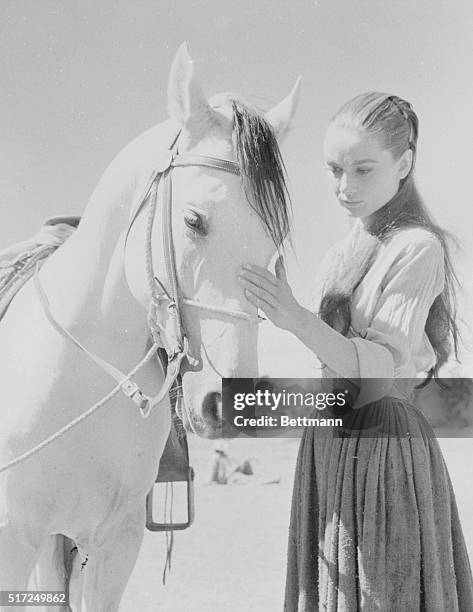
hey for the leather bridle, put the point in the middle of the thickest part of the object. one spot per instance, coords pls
(177, 346)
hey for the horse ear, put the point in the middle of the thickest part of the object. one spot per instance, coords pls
(185, 96)
(280, 117)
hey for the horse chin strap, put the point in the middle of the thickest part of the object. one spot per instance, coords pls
(174, 341)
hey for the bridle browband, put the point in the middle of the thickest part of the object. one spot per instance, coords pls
(177, 347)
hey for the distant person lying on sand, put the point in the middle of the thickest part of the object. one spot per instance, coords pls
(225, 471)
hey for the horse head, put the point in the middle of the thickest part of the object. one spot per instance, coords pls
(220, 219)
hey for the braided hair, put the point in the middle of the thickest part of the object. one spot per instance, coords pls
(394, 122)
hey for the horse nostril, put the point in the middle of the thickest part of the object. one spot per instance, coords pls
(212, 408)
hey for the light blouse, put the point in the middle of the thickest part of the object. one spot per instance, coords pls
(389, 311)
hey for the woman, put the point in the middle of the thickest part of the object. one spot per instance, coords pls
(374, 524)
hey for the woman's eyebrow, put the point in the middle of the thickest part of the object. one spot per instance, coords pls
(365, 161)
(356, 162)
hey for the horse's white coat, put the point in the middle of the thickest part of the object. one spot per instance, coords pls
(91, 484)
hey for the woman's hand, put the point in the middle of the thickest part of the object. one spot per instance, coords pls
(271, 293)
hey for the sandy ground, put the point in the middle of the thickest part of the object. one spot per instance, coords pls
(233, 558)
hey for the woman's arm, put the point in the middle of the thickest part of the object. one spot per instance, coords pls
(414, 278)
(272, 294)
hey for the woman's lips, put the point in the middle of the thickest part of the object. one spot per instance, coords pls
(350, 202)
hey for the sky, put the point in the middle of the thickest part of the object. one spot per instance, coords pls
(81, 79)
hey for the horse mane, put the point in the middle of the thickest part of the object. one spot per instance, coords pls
(262, 168)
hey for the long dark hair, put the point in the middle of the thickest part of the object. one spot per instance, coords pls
(394, 121)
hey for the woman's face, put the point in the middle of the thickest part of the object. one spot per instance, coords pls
(364, 175)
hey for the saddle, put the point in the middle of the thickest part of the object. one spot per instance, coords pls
(18, 263)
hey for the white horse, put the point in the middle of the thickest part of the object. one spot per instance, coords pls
(90, 484)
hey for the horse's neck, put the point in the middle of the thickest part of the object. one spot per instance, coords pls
(87, 289)
(85, 279)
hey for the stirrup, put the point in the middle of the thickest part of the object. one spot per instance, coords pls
(151, 525)
(173, 467)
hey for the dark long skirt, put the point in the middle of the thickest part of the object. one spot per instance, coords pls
(374, 523)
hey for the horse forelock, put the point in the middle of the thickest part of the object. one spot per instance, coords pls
(262, 169)
(263, 172)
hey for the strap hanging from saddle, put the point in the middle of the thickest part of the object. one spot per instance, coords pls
(173, 467)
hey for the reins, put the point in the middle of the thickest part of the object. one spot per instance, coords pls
(177, 348)
(85, 415)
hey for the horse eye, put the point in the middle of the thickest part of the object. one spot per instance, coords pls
(195, 223)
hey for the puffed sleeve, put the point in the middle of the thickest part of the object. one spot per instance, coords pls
(410, 286)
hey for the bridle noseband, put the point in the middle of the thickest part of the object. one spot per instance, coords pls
(176, 348)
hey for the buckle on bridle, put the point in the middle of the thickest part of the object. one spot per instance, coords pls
(131, 390)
